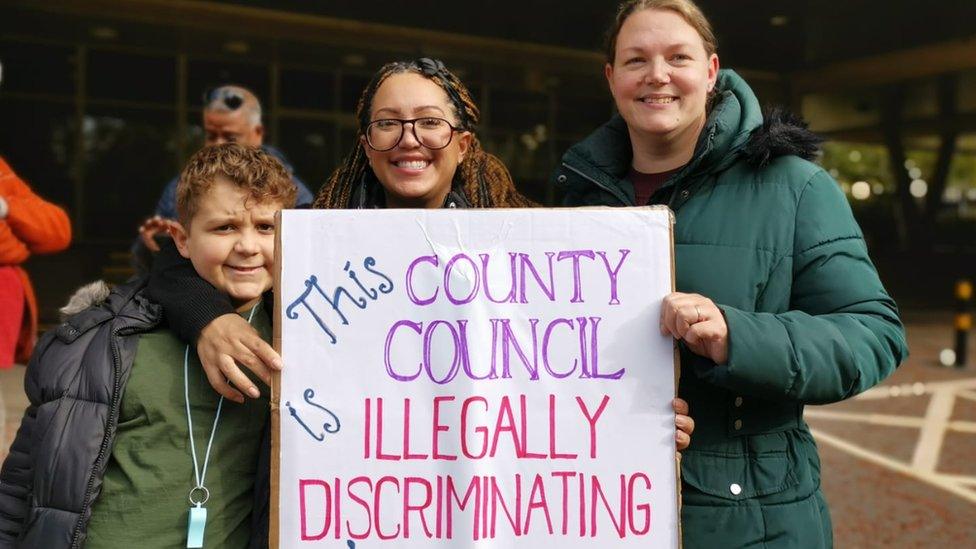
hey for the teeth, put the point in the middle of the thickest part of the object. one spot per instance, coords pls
(659, 100)
(413, 164)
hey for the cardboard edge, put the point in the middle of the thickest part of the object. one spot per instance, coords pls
(676, 357)
(677, 367)
(275, 401)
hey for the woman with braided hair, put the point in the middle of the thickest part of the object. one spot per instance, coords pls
(417, 147)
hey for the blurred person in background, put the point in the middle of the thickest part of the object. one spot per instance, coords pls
(28, 225)
(231, 114)
(778, 304)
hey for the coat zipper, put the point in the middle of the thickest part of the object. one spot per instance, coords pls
(705, 150)
(113, 417)
(614, 192)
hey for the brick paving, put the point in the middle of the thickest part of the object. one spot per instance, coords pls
(885, 501)
(874, 505)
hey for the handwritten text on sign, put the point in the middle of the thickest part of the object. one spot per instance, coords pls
(476, 378)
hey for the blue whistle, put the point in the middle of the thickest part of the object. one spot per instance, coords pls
(194, 530)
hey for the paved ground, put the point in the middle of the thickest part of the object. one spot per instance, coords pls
(899, 461)
(12, 404)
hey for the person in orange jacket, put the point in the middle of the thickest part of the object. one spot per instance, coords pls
(28, 225)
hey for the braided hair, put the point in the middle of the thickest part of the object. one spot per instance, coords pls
(481, 178)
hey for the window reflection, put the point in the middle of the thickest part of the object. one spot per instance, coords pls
(41, 150)
(147, 78)
(129, 154)
(21, 62)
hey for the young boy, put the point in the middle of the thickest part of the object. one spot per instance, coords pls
(103, 457)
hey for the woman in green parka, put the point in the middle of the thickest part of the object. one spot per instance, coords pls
(778, 305)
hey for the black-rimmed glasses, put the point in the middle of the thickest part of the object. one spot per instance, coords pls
(433, 133)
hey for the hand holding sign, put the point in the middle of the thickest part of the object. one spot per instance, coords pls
(683, 423)
(698, 322)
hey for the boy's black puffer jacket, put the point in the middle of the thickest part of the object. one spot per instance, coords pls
(75, 382)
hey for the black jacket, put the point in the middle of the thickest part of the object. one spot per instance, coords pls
(75, 382)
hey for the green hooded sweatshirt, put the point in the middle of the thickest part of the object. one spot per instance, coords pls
(770, 238)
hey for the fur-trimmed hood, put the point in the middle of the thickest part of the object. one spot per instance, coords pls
(84, 297)
(96, 303)
(738, 126)
(782, 133)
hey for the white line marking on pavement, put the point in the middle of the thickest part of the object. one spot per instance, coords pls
(872, 419)
(963, 426)
(960, 479)
(886, 420)
(915, 389)
(932, 430)
(939, 481)
(929, 444)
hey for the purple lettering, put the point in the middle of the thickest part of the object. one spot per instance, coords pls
(432, 259)
(612, 273)
(545, 348)
(449, 268)
(526, 262)
(510, 298)
(577, 283)
(455, 361)
(415, 326)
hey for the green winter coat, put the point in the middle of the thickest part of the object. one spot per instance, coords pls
(771, 239)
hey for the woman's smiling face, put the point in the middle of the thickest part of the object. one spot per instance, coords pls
(661, 75)
(412, 175)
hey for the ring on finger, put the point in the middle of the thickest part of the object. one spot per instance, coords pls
(698, 311)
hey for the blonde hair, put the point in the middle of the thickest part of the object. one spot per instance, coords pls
(254, 171)
(688, 10)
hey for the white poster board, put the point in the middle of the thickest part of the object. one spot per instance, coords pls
(474, 378)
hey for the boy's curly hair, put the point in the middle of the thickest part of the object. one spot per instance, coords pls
(254, 171)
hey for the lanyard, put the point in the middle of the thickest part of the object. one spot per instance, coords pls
(199, 494)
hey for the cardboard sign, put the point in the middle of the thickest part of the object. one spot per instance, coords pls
(474, 378)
